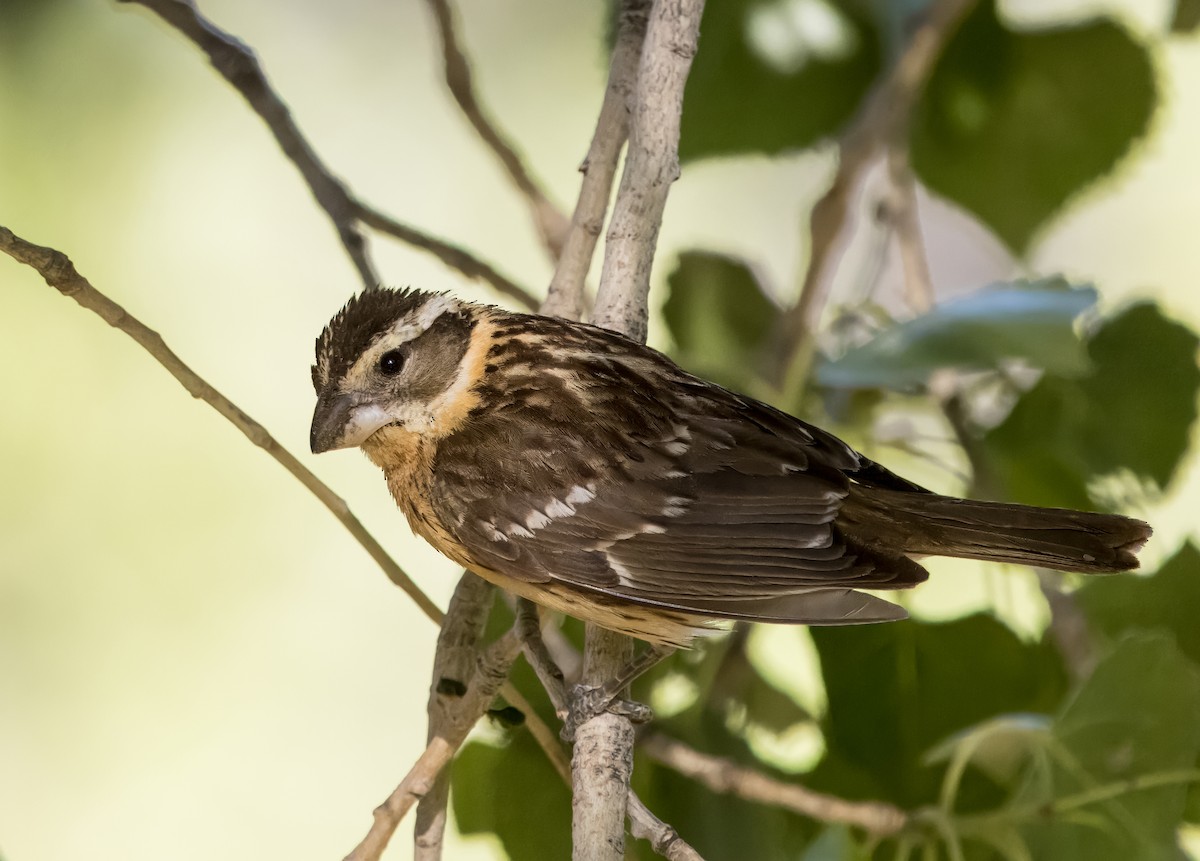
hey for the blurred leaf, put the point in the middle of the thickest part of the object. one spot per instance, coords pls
(1135, 717)
(897, 690)
(999, 746)
(836, 843)
(1133, 411)
(1169, 599)
(719, 316)
(774, 76)
(1014, 123)
(1023, 320)
(514, 793)
(1187, 16)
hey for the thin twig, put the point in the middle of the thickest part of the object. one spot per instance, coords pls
(492, 670)
(58, 271)
(725, 776)
(565, 296)
(551, 224)
(882, 121)
(664, 839)
(237, 63)
(453, 256)
(651, 165)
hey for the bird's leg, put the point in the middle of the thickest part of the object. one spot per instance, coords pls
(588, 701)
(529, 629)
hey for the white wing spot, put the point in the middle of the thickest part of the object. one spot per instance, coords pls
(490, 530)
(558, 508)
(675, 506)
(536, 520)
(518, 529)
(623, 575)
(580, 494)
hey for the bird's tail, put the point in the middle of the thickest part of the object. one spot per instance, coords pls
(926, 524)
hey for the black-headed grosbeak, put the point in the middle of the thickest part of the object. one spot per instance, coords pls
(590, 474)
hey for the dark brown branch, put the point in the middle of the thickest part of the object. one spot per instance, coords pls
(726, 777)
(237, 63)
(551, 224)
(453, 256)
(59, 272)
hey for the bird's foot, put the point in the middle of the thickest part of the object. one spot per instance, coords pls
(589, 701)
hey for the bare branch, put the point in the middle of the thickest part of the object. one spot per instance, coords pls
(551, 224)
(882, 122)
(651, 165)
(453, 256)
(602, 761)
(58, 271)
(725, 776)
(237, 63)
(565, 296)
(664, 839)
(482, 688)
(457, 654)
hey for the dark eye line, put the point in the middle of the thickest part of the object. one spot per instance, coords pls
(391, 362)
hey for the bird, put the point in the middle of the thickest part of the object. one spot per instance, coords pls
(592, 475)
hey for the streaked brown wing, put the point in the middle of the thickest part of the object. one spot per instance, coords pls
(713, 504)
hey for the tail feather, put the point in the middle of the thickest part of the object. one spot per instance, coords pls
(930, 525)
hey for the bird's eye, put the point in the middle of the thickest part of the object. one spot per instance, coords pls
(391, 362)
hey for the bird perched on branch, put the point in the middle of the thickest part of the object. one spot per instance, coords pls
(590, 474)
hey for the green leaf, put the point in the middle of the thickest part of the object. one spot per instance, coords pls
(719, 316)
(1133, 411)
(1187, 16)
(514, 793)
(1167, 600)
(762, 82)
(897, 690)
(1033, 321)
(1012, 124)
(1133, 720)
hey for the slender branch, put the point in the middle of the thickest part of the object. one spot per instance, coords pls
(551, 224)
(237, 63)
(602, 761)
(599, 168)
(491, 671)
(651, 165)
(58, 271)
(453, 256)
(664, 839)
(882, 122)
(902, 210)
(457, 653)
(727, 777)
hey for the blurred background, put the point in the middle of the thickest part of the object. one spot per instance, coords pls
(196, 661)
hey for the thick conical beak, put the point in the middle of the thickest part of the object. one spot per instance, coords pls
(339, 421)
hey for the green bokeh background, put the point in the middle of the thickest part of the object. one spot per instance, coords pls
(195, 659)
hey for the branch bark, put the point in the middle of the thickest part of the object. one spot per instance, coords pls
(651, 165)
(422, 778)
(602, 762)
(724, 776)
(565, 297)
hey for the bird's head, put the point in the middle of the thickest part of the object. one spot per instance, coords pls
(389, 358)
